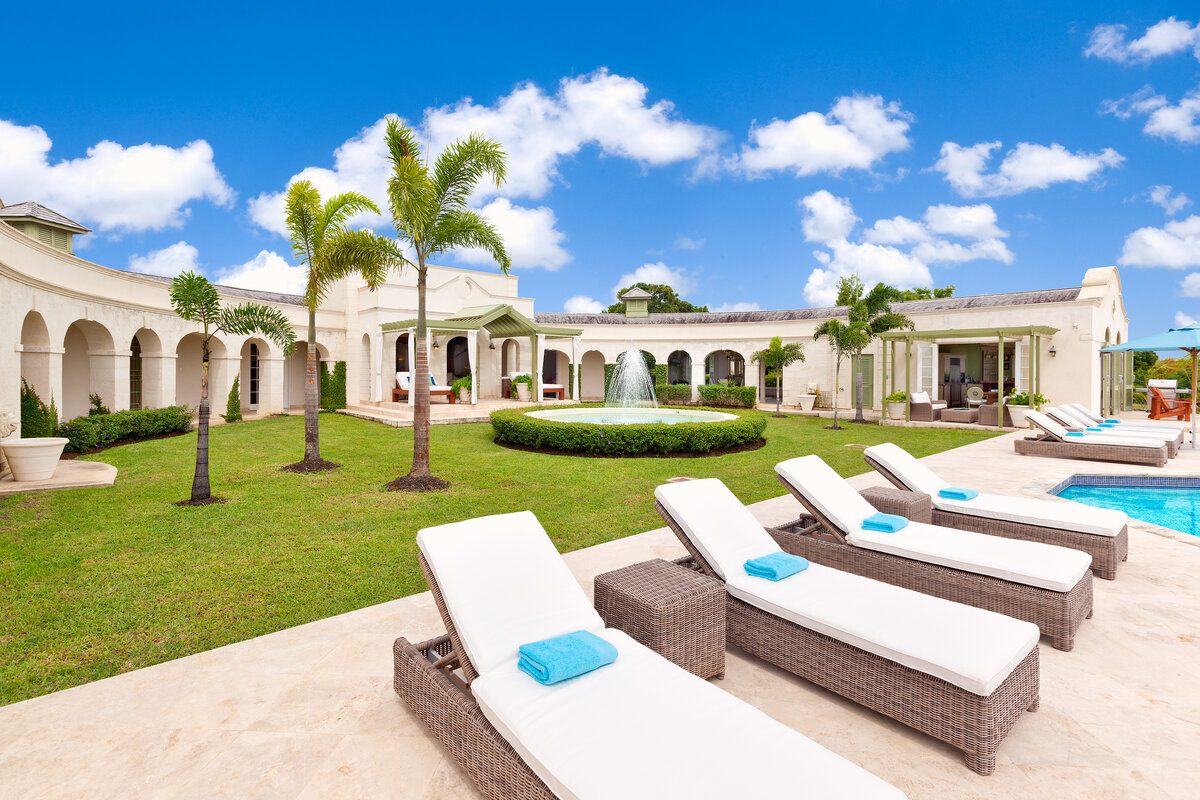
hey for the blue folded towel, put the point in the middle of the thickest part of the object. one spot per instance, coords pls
(958, 493)
(1113, 421)
(1108, 425)
(776, 566)
(563, 657)
(1074, 433)
(884, 523)
(1096, 430)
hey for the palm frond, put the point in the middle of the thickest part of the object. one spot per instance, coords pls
(462, 165)
(303, 211)
(339, 209)
(194, 298)
(463, 228)
(889, 322)
(411, 196)
(348, 252)
(249, 319)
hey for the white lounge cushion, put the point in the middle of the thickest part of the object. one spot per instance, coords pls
(643, 728)
(720, 526)
(1029, 563)
(403, 380)
(1028, 510)
(505, 585)
(920, 397)
(1070, 418)
(938, 404)
(552, 386)
(1149, 424)
(1059, 432)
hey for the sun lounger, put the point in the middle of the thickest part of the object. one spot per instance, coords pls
(404, 385)
(639, 727)
(1100, 532)
(1073, 422)
(1052, 441)
(958, 673)
(1123, 424)
(1039, 583)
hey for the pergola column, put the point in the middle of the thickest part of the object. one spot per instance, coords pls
(539, 344)
(907, 379)
(472, 357)
(1000, 380)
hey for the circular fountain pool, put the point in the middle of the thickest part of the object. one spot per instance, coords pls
(629, 416)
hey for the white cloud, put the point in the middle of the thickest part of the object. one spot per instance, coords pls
(1171, 202)
(113, 188)
(168, 262)
(1164, 38)
(1183, 320)
(529, 235)
(657, 272)
(268, 271)
(897, 251)
(1027, 166)
(856, 133)
(582, 304)
(1190, 285)
(739, 306)
(1175, 245)
(688, 243)
(1164, 119)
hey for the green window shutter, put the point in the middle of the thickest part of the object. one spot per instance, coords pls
(60, 239)
(45, 235)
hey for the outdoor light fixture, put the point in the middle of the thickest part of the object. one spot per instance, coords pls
(1053, 351)
(491, 345)
(435, 344)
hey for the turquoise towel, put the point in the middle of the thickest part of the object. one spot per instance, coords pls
(1113, 421)
(1074, 433)
(1096, 430)
(564, 657)
(1108, 425)
(885, 523)
(958, 493)
(776, 566)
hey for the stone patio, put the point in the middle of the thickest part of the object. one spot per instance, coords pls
(69, 474)
(309, 712)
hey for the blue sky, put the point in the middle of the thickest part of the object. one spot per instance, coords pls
(751, 156)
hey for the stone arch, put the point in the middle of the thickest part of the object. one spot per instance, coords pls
(89, 367)
(510, 358)
(720, 365)
(35, 356)
(189, 365)
(145, 369)
(255, 374)
(402, 364)
(366, 367)
(556, 366)
(591, 375)
(679, 367)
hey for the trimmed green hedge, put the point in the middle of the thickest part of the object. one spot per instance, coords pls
(716, 394)
(101, 430)
(333, 386)
(516, 427)
(673, 394)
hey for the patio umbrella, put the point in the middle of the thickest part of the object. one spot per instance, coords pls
(1186, 339)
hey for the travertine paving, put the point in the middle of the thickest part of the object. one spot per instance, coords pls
(309, 712)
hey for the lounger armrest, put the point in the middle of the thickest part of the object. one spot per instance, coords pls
(914, 506)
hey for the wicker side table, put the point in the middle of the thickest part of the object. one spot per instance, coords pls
(676, 612)
(912, 505)
(960, 415)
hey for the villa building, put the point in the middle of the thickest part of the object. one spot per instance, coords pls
(72, 328)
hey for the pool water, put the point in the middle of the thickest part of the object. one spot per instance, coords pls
(630, 416)
(1173, 505)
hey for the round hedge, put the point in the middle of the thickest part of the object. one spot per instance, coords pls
(516, 428)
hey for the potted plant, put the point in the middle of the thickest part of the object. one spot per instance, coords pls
(809, 399)
(1018, 403)
(522, 387)
(462, 388)
(896, 402)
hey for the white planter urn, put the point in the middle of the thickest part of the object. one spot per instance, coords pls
(807, 401)
(33, 459)
(1017, 413)
(895, 410)
(523, 392)
(464, 395)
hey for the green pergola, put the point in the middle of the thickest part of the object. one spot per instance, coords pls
(1033, 333)
(501, 321)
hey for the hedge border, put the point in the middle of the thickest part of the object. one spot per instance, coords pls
(515, 428)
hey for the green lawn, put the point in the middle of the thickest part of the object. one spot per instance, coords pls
(100, 581)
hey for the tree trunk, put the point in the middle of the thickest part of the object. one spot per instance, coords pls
(779, 390)
(312, 393)
(420, 387)
(837, 388)
(201, 490)
(858, 392)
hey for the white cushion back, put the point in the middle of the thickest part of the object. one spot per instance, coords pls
(1086, 412)
(907, 469)
(920, 397)
(817, 482)
(1080, 419)
(1045, 423)
(1063, 417)
(504, 585)
(716, 522)
(403, 380)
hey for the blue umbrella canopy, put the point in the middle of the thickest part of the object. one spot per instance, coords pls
(1186, 338)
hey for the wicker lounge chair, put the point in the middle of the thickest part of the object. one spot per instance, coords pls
(639, 727)
(922, 409)
(404, 384)
(1071, 420)
(1095, 419)
(960, 674)
(1052, 442)
(1100, 532)
(1039, 583)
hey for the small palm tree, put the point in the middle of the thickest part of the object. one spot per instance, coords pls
(870, 312)
(429, 210)
(322, 242)
(195, 300)
(846, 340)
(775, 357)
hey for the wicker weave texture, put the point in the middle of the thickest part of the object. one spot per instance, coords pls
(912, 506)
(1121, 454)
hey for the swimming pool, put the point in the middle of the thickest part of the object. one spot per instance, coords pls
(1169, 502)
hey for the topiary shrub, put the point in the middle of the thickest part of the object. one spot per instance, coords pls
(233, 403)
(673, 394)
(102, 430)
(96, 405)
(37, 418)
(515, 427)
(719, 394)
(333, 386)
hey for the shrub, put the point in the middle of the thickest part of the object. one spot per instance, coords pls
(673, 394)
(233, 403)
(512, 389)
(333, 386)
(37, 418)
(719, 394)
(900, 396)
(461, 383)
(96, 405)
(1178, 369)
(516, 427)
(101, 430)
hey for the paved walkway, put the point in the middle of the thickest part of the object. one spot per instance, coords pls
(309, 712)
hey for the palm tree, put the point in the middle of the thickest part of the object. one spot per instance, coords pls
(429, 210)
(845, 340)
(195, 300)
(776, 356)
(872, 314)
(322, 242)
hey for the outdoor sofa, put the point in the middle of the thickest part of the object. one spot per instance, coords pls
(958, 673)
(1052, 441)
(404, 385)
(1100, 532)
(922, 409)
(1040, 583)
(640, 727)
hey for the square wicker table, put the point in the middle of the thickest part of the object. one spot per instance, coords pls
(960, 415)
(677, 612)
(915, 506)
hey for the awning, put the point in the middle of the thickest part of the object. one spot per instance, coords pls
(498, 320)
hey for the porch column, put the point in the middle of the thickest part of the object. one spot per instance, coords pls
(539, 344)
(472, 357)
(697, 377)
(270, 383)
(883, 384)
(575, 368)
(907, 379)
(1000, 380)
(376, 366)
(1035, 346)
(110, 377)
(412, 362)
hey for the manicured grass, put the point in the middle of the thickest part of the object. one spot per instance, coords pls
(101, 581)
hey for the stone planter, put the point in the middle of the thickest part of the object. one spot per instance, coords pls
(464, 395)
(523, 392)
(895, 410)
(33, 459)
(807, 401)
(1017, 414)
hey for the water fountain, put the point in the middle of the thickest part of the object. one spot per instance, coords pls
(631, 386)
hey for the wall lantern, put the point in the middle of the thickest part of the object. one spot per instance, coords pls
(491, 345)
(435, 344)
(1053, 351)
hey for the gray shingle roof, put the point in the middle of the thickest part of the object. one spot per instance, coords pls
(32, 210)
(234, 291)
(911, 307)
